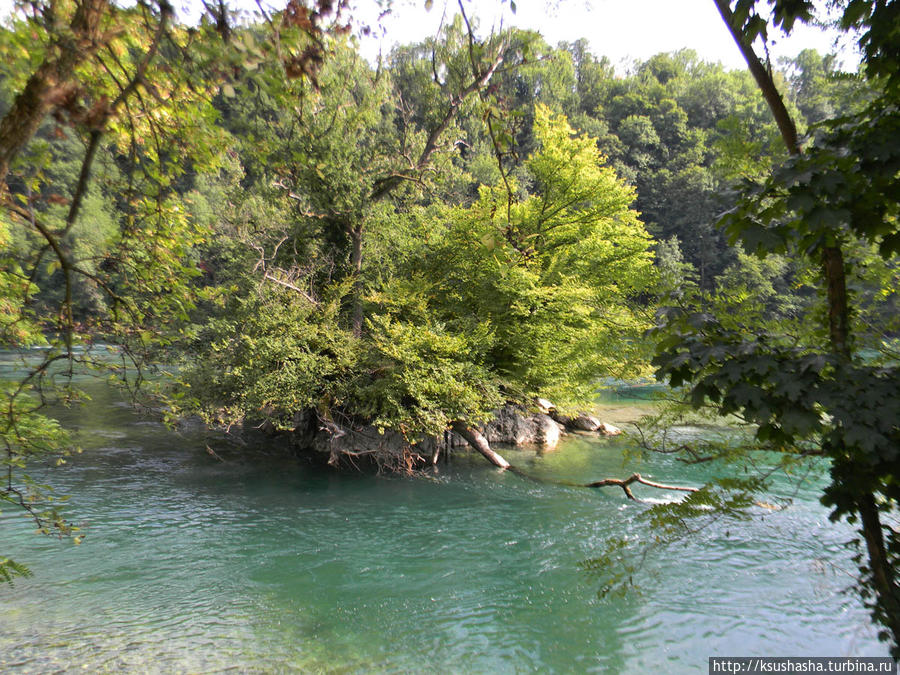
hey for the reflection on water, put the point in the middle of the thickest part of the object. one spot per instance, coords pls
(264, 563)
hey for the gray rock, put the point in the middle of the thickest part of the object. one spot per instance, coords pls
(510, 426)
(547, 430)
(513, 426)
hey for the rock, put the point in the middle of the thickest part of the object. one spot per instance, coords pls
(547, 430)
(510, 426)
(590, 423)
(545, 405)
(585, 423)
(608, 429)
(306, 426)
(455, 440)
(362, 442)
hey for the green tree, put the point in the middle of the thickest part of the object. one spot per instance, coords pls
(93, 90)
(502, 300)
(817, 395)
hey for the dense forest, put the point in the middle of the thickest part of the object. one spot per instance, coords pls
(248, 222)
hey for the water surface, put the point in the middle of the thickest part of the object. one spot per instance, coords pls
(265, 563)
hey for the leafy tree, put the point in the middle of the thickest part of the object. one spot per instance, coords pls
(817, 395)
(554, 275)
(501, 300)
(116, 89)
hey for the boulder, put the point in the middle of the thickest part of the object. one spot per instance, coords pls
(510, 426)
(608, 429)
(585, 423)
(513, 426)
(547, 430)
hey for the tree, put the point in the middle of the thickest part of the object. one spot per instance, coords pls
(119, 85)
(528, 291)
(816, 396)
(63, 38)
(553, 276)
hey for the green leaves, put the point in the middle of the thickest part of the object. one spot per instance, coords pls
(272, 356)
(427, 377)
(843, 185)
(10, 569)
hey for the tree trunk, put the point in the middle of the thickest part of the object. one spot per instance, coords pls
(886, 589)
(764, 81)
(838, 311)
(479, 442)
(834, 274)
(356, 239)
(51, 82)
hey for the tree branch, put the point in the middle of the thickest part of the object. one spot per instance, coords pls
(52, 80)
(636, 478)
(384, 186)
(297, 289)
(97, 132)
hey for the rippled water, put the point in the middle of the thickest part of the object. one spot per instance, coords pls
(264, 563)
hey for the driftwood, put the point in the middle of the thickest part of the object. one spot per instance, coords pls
(636, 478)
(479, 442)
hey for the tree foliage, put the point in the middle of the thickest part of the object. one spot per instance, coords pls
(504, 299)
(813, 392)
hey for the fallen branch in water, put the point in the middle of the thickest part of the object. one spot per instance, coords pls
(479, 442)
(636, 478)
(213, 454)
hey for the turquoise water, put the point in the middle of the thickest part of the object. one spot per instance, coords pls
(265, 563)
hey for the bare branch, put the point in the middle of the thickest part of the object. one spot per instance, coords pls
(297, 289)
(637, 478)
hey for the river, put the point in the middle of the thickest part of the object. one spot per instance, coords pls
(263, 562)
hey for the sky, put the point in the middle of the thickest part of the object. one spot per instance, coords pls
(622, 30)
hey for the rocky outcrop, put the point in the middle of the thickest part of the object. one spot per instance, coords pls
(511, 425)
